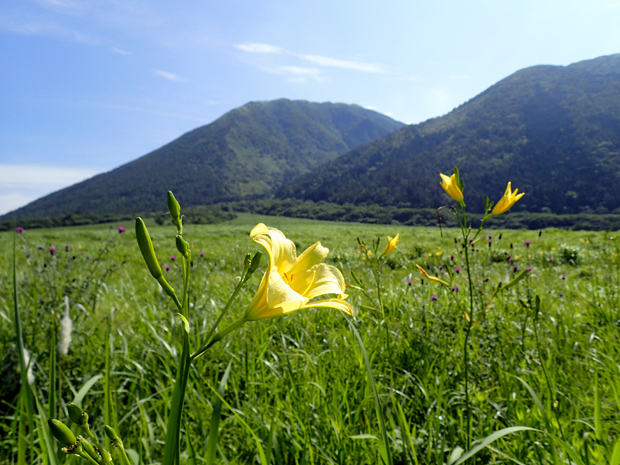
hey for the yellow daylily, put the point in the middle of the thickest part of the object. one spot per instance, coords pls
(449, 185)
(507, 201)
(429, 277)
(291, 282)
(391, 245)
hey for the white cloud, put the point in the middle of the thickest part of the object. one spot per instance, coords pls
(323, 61)
(297, 73)
(22, 184)
(261, 48)
(343, 64)
(169, 76)
(119, 51)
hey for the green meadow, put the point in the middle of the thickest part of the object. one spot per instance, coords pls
(539, 382)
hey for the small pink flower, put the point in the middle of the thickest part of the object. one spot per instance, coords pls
(19, 230)
(489, 236)
(515, 268)
(455, 289)
(52, 250)
(202, 254)
(451, 257)
(527, 243)
(173, 258)
(456, 270)
(167, 267)
(433, 298)
(528, 268)
(121, 229)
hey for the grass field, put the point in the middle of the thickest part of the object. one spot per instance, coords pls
(298, 390)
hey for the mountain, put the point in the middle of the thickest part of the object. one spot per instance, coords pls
(553, 131)
(246, 153)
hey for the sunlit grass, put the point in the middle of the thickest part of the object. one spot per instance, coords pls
(300, 382)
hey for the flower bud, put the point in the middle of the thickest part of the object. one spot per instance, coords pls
(255, 262)
(89, 449)
(61, 432)
(76, 414)
(247, 261)
(146, 247)
(175, 209)
(183, 247)
(110, 433)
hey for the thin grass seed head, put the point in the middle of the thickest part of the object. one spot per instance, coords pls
(66, 328)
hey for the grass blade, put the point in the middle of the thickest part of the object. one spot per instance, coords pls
(215, 419)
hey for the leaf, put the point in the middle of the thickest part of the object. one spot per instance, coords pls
(215, 419)
(77, 400)
(490, 438)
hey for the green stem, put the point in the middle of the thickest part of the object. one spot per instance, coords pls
(218, 337)
(207, 340)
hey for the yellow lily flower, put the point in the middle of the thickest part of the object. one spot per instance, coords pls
(429, 277)
(290, 282)
(507, 201)
(449, 185)
(391, 245)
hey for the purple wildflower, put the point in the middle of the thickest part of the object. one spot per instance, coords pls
(455, 289)
(489, 236)
(173, 258)
(528, 268)
(202, 254)
(19, 230)
(451, 257)
(52, 250)
(456, 270)
(167, 267)
(527, 243)
(121, 229)
(515, 268)
(433, 298)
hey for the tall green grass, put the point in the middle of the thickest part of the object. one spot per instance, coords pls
(546, 356)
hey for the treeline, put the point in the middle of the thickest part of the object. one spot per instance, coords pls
(192, 215)
(424, 216)
(373, 214)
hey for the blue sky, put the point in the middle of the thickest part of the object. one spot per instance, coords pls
(88, 85)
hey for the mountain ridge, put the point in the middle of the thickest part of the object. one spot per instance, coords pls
(553, 131)
(245, 153)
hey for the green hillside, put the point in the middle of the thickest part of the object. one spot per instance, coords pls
(553, 131)
(245, 154)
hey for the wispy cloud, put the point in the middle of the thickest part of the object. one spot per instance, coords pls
(169, 76)
(119, 51)
(319, 60)
(47, 176)
(22, 184)
(343, 64)
(297, 73)
(261, 48)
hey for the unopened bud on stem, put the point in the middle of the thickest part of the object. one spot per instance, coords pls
(175, 210)
(61, 432)
(146, 247)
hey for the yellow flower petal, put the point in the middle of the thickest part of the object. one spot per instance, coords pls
(429, 277)
(391, 244)
(290, 282)
(449, 185)
(507, 201)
